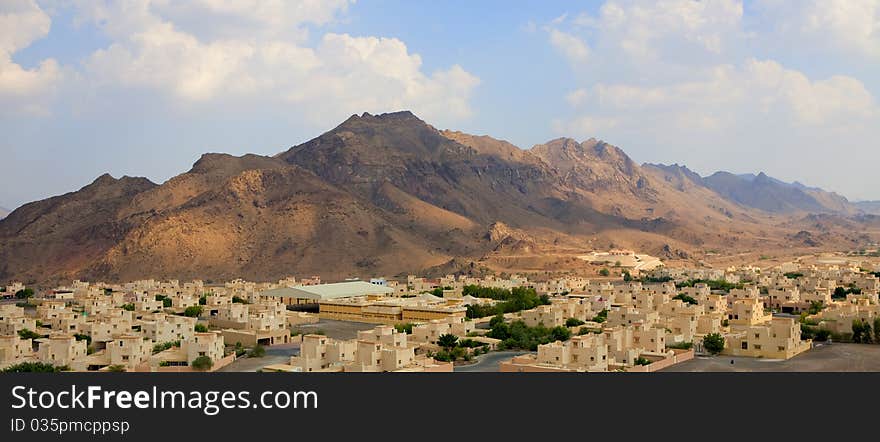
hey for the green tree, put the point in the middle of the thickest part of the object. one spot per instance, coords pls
(83, 337)
(861, 331)
(497, 319)
(201, 328)
(128, 307)
(822, 335)
(404, 327)
(257, 352)
(24, 293)
(604, 272)
(447, 341)
(166, 301)
(27, 334)
(193, 311)
(560, 333)
(35, 367)
(713, 343)
(877, 329)
(685, 298)
(627, 276)
(202, 363)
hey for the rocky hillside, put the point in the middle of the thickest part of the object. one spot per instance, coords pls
(388, 194)
(760, 191)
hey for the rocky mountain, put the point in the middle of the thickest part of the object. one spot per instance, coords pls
(389, 194)
(870, 207)
(760, 191)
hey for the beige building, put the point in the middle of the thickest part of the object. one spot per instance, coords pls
(61, 350)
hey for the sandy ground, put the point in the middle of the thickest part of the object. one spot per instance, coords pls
(827, 358)
(336, 329)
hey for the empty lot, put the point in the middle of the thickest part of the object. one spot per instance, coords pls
(834, 357)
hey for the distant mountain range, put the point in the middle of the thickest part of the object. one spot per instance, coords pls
(766, 193)
(871, 207)
(389, 194)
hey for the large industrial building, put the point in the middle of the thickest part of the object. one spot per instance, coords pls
(314, 294)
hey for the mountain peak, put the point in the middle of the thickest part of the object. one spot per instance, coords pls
(105, 178)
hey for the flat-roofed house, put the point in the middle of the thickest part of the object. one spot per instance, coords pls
(313, 294)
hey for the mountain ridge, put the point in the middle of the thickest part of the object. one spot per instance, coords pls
(390, 194)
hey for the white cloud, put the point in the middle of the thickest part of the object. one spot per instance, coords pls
(585, 126)
(848, 25)
(652, 30)
(210, 53)
(24, 90)
(577, 97)
(697, 82)
(572, 47)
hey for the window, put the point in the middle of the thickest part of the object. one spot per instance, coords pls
(745, 345)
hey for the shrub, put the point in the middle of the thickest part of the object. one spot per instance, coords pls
(257, 352)
(202, 363)
(685, 298)
(573, 322)
(83, 337)
(34, 367)
(193, 311)
(404, 327)
(681, 345)
(604, 272)
(128, 307)
(158, 348)
(27, 334)
(239, 350)
(200, 328)
(116, 368)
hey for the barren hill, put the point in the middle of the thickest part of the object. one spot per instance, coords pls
(388, 194)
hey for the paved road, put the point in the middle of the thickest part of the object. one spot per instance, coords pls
(488, 362)
(276, 354)
(824, 358)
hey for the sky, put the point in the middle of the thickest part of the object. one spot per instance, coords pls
(144, 87)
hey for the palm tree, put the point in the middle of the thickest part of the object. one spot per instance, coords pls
(447, 341)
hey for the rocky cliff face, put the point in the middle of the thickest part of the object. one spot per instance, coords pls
(385, 194)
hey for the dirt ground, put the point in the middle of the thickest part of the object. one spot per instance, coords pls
(823, 358)
(336, 329)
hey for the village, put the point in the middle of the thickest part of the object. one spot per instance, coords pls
(631, 320)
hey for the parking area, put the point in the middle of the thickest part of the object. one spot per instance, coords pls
(336, 329)
(827, 358)
(276, 354)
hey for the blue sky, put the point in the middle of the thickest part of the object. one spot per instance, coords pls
(142, 88)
